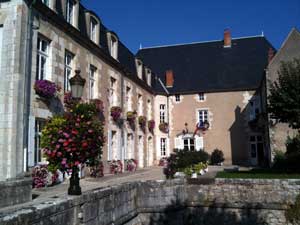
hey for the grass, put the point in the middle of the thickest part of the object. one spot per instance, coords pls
(258, 174)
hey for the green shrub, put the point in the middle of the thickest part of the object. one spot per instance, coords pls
(186, 158)
(293, 145)
(292, 214)
(217, 157)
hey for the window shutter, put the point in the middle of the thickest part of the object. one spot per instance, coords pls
(31, 134)
(199, 143)
(125, 146)
(109, 146)
(178, 143)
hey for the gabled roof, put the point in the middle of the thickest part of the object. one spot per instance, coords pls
(208, 66)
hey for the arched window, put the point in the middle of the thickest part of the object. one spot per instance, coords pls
(189, 142)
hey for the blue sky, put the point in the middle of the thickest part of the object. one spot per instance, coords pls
(164, 22)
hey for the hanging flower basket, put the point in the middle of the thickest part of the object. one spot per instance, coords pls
(115, 113)
(142, 122)
(164, 127)
(131, 117)
(45, 88)
(151, 125)
(69, 101)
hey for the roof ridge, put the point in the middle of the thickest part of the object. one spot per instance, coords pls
(197, 42)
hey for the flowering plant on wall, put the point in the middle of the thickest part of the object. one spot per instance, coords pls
(142, 122)
(116, 166)
(164, 127)
(131, 165)
(131, 117)
(41, 177)
(151, 125)
(115, 113)
(74, 138)
(163, 161)
(45, 88)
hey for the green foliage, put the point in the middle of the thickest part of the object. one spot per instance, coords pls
(284, 99)
(292, 214)
(217, 157)
(186, 158)
(75, 138)
(188, 171)
(293, 146)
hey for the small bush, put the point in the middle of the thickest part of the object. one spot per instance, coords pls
(186, 158)
(292, 214)
(217, 157)
(293, 145)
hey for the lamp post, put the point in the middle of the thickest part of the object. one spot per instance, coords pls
(77, 83)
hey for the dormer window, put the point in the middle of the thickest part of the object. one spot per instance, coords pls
(93, 29)
(148, 72)
(139, 67)
(70, 11)
(113, 44)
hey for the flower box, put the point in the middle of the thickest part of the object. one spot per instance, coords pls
(151, 125)
(45, 88)
(115, 113)
(164, 127)
(131, 117)
(142, 122)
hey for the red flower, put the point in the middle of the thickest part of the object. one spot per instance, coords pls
(75, 132)
(84, 145)
(66, 143)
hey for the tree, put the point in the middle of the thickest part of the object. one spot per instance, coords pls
(284, 98)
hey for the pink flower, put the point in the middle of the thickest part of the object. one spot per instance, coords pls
(64, 161)
(57, 146)
(90, 131)
(61, 140)
(77, 163)
(66, 135)
(59, 154)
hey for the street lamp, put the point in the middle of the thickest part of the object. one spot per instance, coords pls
(77, 84)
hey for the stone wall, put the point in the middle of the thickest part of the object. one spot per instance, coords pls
(165, 202)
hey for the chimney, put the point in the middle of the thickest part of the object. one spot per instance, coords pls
(169, 78)
(270, 55)
(227, 38)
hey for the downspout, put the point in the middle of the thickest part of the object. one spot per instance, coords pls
(27, 81)
(122, 128)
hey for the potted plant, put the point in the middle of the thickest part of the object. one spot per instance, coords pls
(164, 127)
(217, 157)
(116, 166)
(45, 88)
(142, 122)
(115, 113)
(69, 101)
(131, 165)
(131, 117)
(151, 125)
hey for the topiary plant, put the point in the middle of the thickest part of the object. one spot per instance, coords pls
(217, 157)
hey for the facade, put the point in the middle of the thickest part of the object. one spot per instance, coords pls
(290, 49)
(216, 82)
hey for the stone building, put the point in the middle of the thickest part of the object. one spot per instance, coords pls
(290, 49)
(216, 82)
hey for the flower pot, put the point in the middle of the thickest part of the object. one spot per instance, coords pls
(194, 175)
(201, 172)
(206, 170)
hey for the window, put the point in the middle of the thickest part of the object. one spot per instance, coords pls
(69, 11)
(42, 56)
(113, 95)
(256, 144)
(93, 29)
(140, 105)
(46, 2)
(201, 96)
(149, 115)
(114, 47)
(162, 112)
(203, 116)
(149, 77)
(139, 65)
(254, 108)
(189, 144)
(92, 82)
(39, 125)
(163, 147)
(68, 70)
(177, 98)
(128, 98)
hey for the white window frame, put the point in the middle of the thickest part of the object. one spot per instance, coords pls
(92, 82)
(162, 113)
(39, 124)
(93, 29)
(201, 96)
(149, 74)
(42, 54)
(1, 40)
(139, 66)
(163, 147)
(113, 92)
(255, 108)
(203, 115)
(70, 11)
(149, 109)
(128, 96)
(68, 70)
(140, 104)
(114, 47)
(177, 98)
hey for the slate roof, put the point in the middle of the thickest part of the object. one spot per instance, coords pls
(208, 66)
